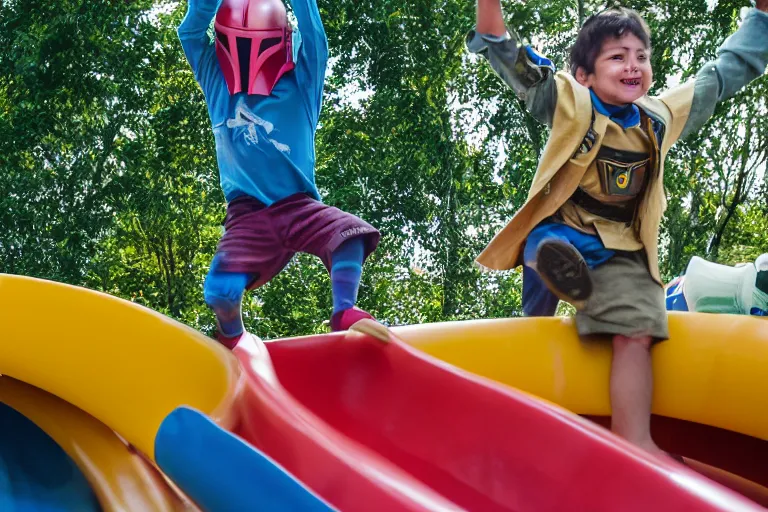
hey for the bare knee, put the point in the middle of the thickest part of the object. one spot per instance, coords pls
(621, 342)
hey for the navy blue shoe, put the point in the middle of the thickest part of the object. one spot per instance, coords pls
(564, 271)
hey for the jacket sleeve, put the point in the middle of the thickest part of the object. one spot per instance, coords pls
(529, 74)
(742, 58)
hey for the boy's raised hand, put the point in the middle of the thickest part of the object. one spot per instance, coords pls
(490, 19)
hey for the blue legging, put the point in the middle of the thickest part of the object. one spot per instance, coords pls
(346, 271)
(223, 291)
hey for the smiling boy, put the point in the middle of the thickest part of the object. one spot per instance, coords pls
(588, 232)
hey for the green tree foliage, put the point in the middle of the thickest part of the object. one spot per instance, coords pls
(108, 175)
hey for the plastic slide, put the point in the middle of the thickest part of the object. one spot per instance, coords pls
(338, 421)
(54, 456)
(710, 397)
(118, 372)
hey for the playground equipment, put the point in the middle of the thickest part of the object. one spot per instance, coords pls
(709, 394)
(339, 421)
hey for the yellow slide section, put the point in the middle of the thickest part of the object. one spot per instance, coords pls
(124, 364)
(711, 370)
(119, 477)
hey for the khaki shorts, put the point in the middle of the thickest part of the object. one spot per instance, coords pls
(625, 300)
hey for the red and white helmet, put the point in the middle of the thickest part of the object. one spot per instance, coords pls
(253, 44)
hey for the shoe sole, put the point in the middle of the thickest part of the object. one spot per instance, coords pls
(565, 272)
(371, 328)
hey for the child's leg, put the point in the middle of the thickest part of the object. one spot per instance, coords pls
(631, 389)
(250, 254)
(223, 292)
(346, 271)
(342, 241)
(537, 299)
(628, 304)
(562, 257)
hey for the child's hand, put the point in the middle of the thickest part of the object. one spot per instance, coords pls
(762, 5)
(490, 19)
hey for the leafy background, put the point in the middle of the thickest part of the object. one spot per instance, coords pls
(108, 176)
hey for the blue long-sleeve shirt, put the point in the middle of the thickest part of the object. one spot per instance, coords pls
(265, 145)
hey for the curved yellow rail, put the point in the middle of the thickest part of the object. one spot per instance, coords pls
(710, 371)
(119, 477)
(122, 363)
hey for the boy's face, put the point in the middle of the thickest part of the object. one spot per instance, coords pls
(623, 71)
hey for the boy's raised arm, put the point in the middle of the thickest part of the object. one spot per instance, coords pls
(742, 58)
(312, 51)
(193, 28)
(530, 75)
(490, 19)
(311, 26)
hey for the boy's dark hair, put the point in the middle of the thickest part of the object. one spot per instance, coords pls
(613, 22)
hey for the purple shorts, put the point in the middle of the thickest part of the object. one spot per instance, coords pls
(261, 240)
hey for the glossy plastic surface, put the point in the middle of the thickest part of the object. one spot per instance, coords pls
(708, 380)
(122, 363)
(219, 471)
(35, 473)
(372, 426)
(384, 418)
(711, 370)
(119, 477)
